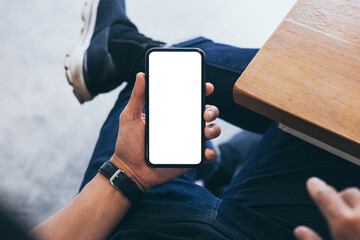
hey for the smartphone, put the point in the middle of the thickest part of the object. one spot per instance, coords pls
(175, 104)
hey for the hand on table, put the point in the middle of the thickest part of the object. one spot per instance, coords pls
(341, 210)
(130, 147)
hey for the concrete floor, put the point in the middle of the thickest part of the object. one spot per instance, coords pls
(46, 137)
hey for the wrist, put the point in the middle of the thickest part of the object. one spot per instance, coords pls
(102, 183)
(129, 171)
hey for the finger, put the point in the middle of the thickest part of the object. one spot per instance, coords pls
(212, 131)
(305, 233)
(137, 99)
(211, 113)
(209, 89)
(210, 154)
(351, 196)
(326, 198)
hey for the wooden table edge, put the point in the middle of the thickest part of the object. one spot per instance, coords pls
(294, 122)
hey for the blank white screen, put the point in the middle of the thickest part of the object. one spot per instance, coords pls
(175, 107)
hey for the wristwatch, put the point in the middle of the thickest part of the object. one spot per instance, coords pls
(122, 182)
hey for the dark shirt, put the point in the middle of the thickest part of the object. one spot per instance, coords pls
(173, 229)
(9, 229)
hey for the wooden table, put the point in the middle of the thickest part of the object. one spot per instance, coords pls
(307, 76)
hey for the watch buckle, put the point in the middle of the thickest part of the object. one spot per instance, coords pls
(115, 175)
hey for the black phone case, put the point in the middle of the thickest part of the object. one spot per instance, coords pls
(147, 107)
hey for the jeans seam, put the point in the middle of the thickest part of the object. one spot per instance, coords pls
(192, 42)
(214, 208)
(224, 67)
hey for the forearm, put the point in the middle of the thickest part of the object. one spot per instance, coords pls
(92, 214)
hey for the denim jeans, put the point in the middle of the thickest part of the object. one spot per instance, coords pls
(267, 199)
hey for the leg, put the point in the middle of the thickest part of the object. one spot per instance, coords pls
(105, 145)
(89, 65)
(270, 188)
(111, 50)
(234, 153)
(223, 67)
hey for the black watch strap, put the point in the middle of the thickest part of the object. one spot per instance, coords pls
(122, 182)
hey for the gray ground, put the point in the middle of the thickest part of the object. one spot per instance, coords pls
(46, 137)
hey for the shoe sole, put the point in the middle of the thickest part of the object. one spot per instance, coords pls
(75, 56)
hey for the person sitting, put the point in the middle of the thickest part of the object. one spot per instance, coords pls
(265, 199)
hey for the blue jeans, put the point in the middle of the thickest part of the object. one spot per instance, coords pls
(267, 199)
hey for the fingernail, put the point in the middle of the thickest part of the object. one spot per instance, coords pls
(315, 179)
(211, 114)
(314, 182)
(212, 131)
(298, 233)
(211, 152)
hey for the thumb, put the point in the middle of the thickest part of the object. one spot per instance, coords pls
(305, 233)
(137, 99)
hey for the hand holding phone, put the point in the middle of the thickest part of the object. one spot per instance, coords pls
(129, 152)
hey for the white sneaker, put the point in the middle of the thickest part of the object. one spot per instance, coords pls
(74, 60)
